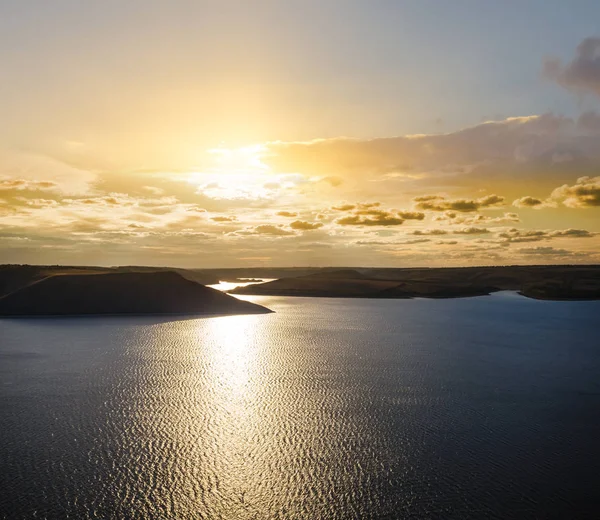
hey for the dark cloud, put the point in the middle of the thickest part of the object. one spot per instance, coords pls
(305, 226)
(528, 202)
(372, 243)
(344, 207)
(289, 214)
(584, 193)
(441, 203)
(536, 235)
(582, 73)
(386, 243)
(471, 231)
(481, 219)
(385, 219)
(411, 215)
(523, 235)
(223, 219)
(420, 232)
(571, 233)
(417, 241)
(548, 251)
(369, 214)
(588, 123)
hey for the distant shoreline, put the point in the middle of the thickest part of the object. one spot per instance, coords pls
(568, 283)
(61, 291)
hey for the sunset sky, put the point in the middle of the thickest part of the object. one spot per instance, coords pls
(279, 133)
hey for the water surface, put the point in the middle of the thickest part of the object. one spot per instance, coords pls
(330, 408)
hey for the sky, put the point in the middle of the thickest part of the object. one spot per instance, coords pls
(278, 133)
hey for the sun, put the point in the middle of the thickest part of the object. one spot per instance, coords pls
(235, 173)
(247, 159)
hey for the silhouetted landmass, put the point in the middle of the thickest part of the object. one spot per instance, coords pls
(239, 274)
(14, 276)
(113, 292)
(241, 280)
(540, 282)
(202, 277)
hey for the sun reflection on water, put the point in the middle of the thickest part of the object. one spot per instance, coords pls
(236, 360)
(233, 353)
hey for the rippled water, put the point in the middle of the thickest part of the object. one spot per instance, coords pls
(472, 408)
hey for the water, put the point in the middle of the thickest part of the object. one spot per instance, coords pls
(470, 408)
(228, 286)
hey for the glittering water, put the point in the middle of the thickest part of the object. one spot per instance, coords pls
(228, 286)
(471, 408)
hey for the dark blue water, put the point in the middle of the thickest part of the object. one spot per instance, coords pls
(469, 408)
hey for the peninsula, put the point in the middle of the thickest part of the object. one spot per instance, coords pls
(31, 291)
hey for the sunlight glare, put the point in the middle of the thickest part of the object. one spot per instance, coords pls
(235, 174)
(233, 356)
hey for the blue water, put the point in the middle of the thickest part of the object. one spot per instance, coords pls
(467, 408)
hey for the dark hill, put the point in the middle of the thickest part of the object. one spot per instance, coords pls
(319, 286)
(541, 282)
(160, 292)
(340, 274)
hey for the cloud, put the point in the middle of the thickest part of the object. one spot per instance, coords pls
(582, 73)
(571, 233)
(453, 218)
(520, 235)
(518, 149)
(12, 184)
(39, 168)
(536, 235)
(548, 251)
(390, 243)
(471, 231)
(223, 219)
(417, 241)
(411, 215)
(37, 203)
(585, 193)
(268, 229)
(384, 219)
(305, 226)
(163, 208)
(372, 243)
(588, 123)
(420, 232)
(367, 205)
(507, 217)
(371, 214)
(528, 202)
(440, 203)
